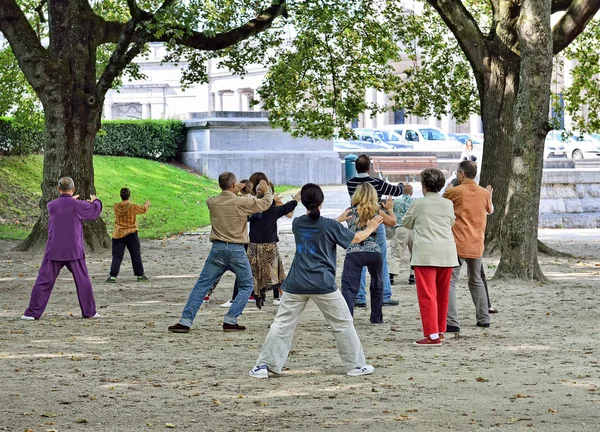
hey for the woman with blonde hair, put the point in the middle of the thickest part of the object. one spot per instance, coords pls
(367, 253)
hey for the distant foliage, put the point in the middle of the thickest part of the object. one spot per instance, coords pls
(148, 139)
(17, 138)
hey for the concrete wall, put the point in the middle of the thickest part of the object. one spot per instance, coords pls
(244, 145)
(570, 198)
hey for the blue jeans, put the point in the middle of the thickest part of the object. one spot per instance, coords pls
(222, 257)
(361, 297)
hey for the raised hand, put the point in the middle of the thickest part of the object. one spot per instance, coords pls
(490, 189)
(92, 198)
(344, 216)
(263, 187)
(76, 196)
(296, 197)
(388, 204)
(147, 203)
(374, 223)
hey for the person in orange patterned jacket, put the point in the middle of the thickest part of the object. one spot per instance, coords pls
(125, 235)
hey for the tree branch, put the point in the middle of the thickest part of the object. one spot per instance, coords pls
(464, 27)
(32, 56)
(123, 55)
(199, 40)
(573, 22)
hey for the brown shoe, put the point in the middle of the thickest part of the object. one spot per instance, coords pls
(233, 327)
(179, 328)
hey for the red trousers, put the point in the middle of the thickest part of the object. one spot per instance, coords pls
(433, 287)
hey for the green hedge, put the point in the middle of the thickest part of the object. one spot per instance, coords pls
(20, 139)
(149, 139)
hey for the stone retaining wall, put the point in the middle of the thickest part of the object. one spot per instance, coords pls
(570, 198)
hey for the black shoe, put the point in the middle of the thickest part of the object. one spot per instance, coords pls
(179, 328)
(485, 325)
(452, 329)
(411, 280)
(360, 305)
(391, 279)
(493, 310)
(391, 302)
(233, 327)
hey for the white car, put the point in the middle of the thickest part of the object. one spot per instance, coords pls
(555, 145)
(582, 146)
(424, 137)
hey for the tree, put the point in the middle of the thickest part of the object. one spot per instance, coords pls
(66, 79)
(506, 46)
(334, 51)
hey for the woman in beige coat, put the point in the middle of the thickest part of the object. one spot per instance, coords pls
(434, 254)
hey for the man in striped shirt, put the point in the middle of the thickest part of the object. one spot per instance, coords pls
(363, 165)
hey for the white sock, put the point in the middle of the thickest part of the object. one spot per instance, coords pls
(434, 336)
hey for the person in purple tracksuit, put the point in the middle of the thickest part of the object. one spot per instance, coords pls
(65, 249)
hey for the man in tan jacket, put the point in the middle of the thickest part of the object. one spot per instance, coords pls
(472, 204)
(229, 233)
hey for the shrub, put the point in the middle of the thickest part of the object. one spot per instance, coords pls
(149, 139)
(17, 138)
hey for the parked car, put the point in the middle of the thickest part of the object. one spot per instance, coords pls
(464, 137)
(424, 137)
(582, 146)
(554, 145)
(390, 138)
(343, 145)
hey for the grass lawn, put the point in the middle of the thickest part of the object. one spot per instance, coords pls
(178, 197)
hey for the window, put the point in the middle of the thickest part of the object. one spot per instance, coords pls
(432, 135)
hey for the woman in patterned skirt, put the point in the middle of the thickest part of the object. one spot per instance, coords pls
(263, 254)
(367, 253)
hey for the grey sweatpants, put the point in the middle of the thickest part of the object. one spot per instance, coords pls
(476, 287)
(276, 348)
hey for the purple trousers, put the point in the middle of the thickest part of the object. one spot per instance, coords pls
(44, 283)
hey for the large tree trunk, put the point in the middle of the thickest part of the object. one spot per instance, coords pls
(68, 152)
(72, 115)
(519, 228)
(497, 109)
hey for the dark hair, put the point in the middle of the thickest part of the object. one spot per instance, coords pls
(125, 194)
(256, 178)
(432, 179)
(311, 196)
(363, 164)
(469, 168)
(226, 180)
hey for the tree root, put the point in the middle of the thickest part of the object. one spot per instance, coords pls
(547, 250)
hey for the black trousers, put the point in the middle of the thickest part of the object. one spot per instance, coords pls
(353, 265)
(132, 243)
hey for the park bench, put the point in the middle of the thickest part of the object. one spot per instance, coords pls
(407, 166)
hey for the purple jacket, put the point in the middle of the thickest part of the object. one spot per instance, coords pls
(65, 231)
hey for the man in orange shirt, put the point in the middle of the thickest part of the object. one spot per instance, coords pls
(125, 236)
(472, 204)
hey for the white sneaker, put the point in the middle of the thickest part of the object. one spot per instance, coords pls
(227, 304)
(276, 302)
(27, 318)
(96, 316)
(259, 372)
(365, 370)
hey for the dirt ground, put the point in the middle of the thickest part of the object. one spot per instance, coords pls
(536, 368)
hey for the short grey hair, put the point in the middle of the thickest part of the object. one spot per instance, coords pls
(66, 184)
(433, 179)
(226, 180)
